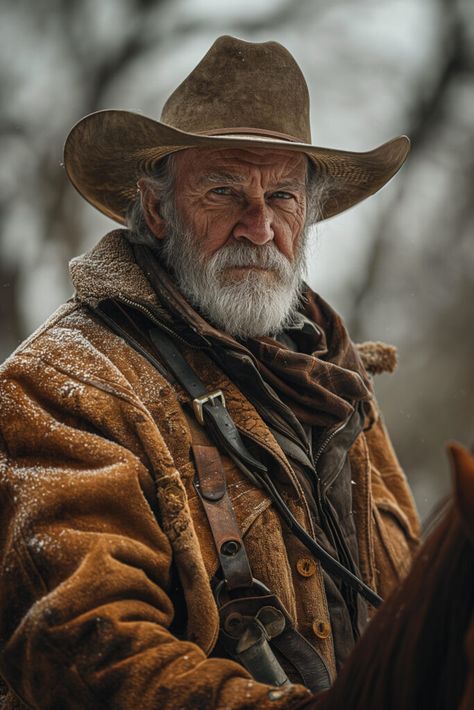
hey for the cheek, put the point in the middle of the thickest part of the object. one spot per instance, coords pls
(288, 228)
(212, 227)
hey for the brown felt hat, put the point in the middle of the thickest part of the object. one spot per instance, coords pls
(240, 95)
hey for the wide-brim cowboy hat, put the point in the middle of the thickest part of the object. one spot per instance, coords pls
(240, 95)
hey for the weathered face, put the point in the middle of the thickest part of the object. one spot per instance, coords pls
(235, 194)
(234, 235)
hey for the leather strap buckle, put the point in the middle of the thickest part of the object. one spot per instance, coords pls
(253, 628)
(210, 397)
(211, 487)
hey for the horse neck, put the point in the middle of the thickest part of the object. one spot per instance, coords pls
(411, 656)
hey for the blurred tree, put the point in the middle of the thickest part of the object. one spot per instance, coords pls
(420, 265)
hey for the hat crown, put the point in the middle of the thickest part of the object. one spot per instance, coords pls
(239, 85)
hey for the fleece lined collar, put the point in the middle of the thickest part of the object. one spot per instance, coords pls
(109, 271)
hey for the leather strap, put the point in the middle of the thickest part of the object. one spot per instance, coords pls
(264, 623)
(214, 411)
(211, 487)
(330, 564)
(237, 617)
(118, 330)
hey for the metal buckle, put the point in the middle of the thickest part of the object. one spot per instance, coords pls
(199, 402)
(258, 589)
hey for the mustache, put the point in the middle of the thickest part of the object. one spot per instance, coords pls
(242, 254)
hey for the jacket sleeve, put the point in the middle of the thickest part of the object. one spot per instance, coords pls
(394, 519)
(85, 607)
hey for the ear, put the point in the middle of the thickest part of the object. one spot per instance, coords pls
(151, 208)
(463, 478)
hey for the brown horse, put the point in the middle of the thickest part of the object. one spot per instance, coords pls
(418, 652)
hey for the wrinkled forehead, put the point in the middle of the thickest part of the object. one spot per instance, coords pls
(237, 164)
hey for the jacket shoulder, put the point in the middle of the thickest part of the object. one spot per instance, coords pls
(74, 346)
(30, 342)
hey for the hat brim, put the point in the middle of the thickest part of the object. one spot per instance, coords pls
(107, 151)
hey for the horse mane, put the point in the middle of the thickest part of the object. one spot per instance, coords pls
(421, 627)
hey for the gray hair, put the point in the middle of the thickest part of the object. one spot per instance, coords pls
(162, 182)
(317, 188)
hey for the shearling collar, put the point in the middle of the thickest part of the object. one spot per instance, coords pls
(109, 271)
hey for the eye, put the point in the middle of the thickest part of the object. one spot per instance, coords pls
(222, 191)
(282, 195)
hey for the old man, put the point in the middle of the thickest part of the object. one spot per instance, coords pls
(200, 505)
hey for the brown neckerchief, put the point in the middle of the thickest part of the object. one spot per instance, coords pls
(322, 377)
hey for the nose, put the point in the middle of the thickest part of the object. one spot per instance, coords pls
(255, 223)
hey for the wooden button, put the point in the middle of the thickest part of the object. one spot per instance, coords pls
(321, 629)
(306, 566)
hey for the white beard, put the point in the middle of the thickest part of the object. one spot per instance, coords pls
(250, 303)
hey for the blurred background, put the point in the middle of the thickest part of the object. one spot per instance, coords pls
(399, 267)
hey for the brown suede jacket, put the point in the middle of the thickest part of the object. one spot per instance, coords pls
(99, 518)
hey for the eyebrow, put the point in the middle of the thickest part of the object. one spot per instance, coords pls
(291, 185)
(220, 178)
